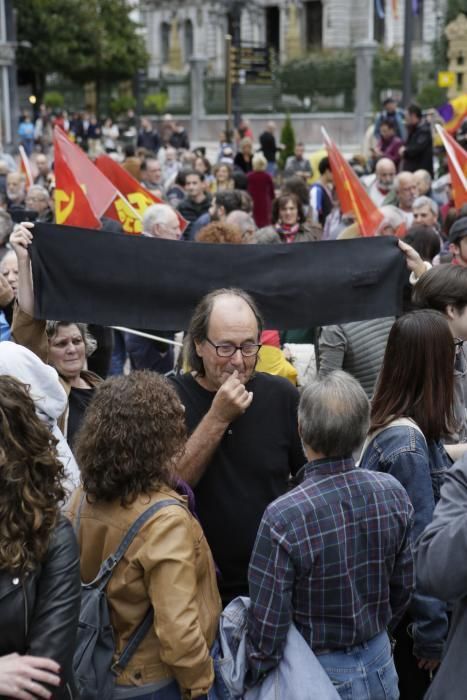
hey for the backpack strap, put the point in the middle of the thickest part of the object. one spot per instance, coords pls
(408, 422)
(105, 572)
(136, 638)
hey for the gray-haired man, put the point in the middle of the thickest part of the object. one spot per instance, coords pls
(334, 555)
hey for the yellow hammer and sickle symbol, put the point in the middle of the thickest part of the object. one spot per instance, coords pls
(63, 205)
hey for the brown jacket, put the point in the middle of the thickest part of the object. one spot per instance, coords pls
(169, 565)
(30, 332)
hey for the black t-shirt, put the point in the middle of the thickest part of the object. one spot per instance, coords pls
(249, 469)
(78, 402)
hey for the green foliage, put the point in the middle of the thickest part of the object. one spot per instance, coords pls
(156, 102)
(431, 96)
(454, 8)
(120, 105)
(92, 41)
(54, 99)
(327, 73)
(288, 141)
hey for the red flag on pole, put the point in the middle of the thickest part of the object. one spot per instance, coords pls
(457, 164)
(25, 167)
(137, 195)
(352, 195)
(72, 207)
(99, 191)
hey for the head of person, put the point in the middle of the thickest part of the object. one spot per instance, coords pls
(246, 146)
(297, 185)
(202, 165)
(31, 477)
(223, 203)
(151, 171)
(387, 129)
(324, 169)
(266, 236)
(458, 240)
(9, 269)
(406, 190)
(385, 172)
(422, 182)
(417, 375)
(223, 173)
(240, 180)
(393, 223)
(299, 150)
(425, 211)
(170, 155)
(15, 187)
(131, 437)
(42, 164)
(333, 416)
(224, 337)
(413, 115)
(194, 185)
(444, 288)
(37, 199)
(219, 232)
(390, 105)
(161, 221)
(146, 124)
(244, 222)
(425, 240)
(69, 344)
(271, 127)
(287, 210)
(259, 163)
(6, 227)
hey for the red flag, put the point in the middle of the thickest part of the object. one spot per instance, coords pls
(25, 167)
(99, 191)
(71, 204)
(457, 164)
(137, 195)
(352, 195)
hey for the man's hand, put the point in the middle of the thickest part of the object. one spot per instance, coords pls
(23, 676)
(21, 238)
(231, 400)
(6, 292)
(413, 259)
(428, 664)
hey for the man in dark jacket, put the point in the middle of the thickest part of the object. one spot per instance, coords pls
(417, 153)
(148, 137)
(196, 203)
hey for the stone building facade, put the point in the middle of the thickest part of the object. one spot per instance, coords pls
(197, 27)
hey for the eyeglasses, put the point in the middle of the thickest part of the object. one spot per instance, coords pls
(458, 343)
(229, 350)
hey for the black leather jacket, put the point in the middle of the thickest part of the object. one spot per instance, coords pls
(39, 613)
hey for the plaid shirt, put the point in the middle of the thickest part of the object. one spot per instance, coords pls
(335, 557)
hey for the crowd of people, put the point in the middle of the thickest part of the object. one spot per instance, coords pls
(254, 502)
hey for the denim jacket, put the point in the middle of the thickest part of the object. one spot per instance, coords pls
(299, 674)
(420, 466)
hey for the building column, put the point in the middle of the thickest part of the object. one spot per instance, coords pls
(365, 52)
(198, 67)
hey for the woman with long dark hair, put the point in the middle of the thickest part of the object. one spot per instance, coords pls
(39, 561)
(412, 410)
(131, 438)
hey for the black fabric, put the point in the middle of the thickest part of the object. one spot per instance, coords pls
(79, 400)
(249, 469)
(119, 280)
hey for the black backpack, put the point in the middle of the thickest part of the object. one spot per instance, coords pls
(93, 661)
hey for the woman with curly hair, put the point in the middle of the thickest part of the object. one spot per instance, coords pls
(39, 561)
(129, 443)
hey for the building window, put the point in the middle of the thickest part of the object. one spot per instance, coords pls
(273, 28)
(188, 39)
(314, 24)
(378, 27)
(418, 22)
(165, 35)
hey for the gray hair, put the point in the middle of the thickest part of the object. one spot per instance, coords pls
(198, 330)
(422, 201)
(266, 235)
(242, 220)
(397, 180)
(334, 415)
(259, 162)
(38, 190)
(156, 214)
(90, 342)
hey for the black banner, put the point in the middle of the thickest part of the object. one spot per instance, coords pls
(118, 279)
